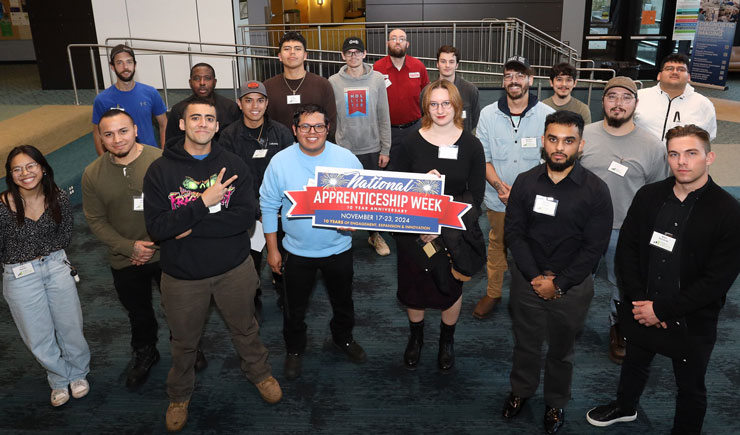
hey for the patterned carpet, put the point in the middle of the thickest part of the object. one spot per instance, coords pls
(333, 395)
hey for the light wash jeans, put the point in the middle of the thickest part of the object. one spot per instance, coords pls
(47, 312)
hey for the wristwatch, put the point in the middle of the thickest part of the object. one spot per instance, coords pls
(558, 292)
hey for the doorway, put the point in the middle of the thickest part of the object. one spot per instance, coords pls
(630, 36)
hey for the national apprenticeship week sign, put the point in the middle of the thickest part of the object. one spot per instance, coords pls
(377, 201)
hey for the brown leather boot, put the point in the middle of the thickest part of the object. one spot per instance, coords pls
(617, 346)
(485, 305)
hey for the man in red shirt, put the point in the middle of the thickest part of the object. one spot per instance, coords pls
(405, 76)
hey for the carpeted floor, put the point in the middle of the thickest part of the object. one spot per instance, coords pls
(333, 395)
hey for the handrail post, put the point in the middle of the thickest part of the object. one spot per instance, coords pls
(321, 64)
(454, 34)
(94, 70)
(385, 35)
(72, 71)
(164, 81)
(235, 77)
(190, 57)
(524, 35)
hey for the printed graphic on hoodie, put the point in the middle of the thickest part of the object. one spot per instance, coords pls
(190, 190)
(355, 100)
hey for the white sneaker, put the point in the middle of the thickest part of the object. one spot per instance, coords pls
(59, 396)
(376, 241)
(79, 388)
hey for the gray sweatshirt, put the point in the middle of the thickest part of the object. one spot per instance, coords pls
(363, 120)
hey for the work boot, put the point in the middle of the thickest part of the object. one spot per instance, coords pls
(143, 360)
(484, 307)
(200, 361)
(177, 416)
(446, 355)
(413, 349)
(617, 345)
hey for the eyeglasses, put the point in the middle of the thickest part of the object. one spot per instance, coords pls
(626, 98)
(517, 76)
(353, 53)
(318, 128)
(31, 167)
(681, 69)
(397, 39)
(445, 105)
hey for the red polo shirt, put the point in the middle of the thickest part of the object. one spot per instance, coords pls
(405, 88)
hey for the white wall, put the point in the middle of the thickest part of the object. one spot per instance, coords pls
(195, 21)
(572, 27)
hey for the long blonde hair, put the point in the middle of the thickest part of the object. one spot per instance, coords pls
(455, 99)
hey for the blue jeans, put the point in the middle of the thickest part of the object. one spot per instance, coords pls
(611, 276)
(47, 312)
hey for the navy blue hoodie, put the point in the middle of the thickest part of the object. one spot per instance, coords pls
(172, 205)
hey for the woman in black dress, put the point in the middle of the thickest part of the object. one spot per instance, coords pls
(440, 146)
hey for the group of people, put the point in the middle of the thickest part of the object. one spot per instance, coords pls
(560, 193)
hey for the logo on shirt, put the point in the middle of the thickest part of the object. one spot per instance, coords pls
(190, 190)
(355, 100)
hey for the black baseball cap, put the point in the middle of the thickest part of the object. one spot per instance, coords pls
(120, 48)
(353, 43)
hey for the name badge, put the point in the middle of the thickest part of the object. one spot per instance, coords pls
(294, 99)
(259, 154)
(529, 142)
(618, 168)
(387, 81)
(214, 208)
(448, 152)
(414, 75)
(464, 114)
(139, 203)
(23, 270)
(662, 241)
(545, 205)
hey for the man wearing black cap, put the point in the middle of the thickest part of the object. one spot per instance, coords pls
(363, 120)
(256, 140)
(511, 131)
(626, 157)
(203, 83)
(137, 99)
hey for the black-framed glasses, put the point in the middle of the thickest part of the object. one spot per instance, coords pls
(318, 128)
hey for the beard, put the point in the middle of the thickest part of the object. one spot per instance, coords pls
(524, 90)
(126, 79)
(397, 52)
(557, 166)
(616, 122)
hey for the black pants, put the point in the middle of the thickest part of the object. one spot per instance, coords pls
(299, 276)
(691, 400)
(398, 136)
(369, 161)
(535, 320)
(134, 287)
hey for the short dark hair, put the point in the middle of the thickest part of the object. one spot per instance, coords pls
(308, 109)
(51, 191)
(566, 117)
(675, 58)
(449, 49)
(110, 113)
(196, 99)
(689, 130)
(203, 64)
(291, 36)
(565, 69)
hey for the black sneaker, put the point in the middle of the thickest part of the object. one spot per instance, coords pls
(354, 351)
(143, 360)
(292, 366)
(609, 414)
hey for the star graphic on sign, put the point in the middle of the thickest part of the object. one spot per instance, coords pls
(332, 181)
(428, 187)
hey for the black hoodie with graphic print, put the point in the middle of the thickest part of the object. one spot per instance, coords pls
(172, 205)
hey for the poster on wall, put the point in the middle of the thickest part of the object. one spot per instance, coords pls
(715, 33)
(687, 15)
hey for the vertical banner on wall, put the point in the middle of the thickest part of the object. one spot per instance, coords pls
(715, 33)
(684, 25)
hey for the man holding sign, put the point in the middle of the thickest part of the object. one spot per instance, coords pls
(309, 249)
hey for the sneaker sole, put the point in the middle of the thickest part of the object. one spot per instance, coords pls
(597, 423)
